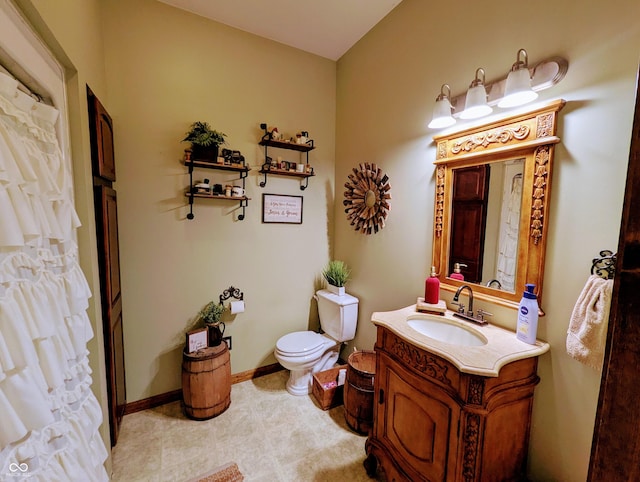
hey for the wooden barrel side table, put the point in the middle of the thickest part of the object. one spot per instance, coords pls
(206, 382)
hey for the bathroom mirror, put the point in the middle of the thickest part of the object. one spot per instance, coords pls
(492, 203)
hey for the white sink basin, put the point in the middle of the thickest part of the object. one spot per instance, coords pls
(445, 330)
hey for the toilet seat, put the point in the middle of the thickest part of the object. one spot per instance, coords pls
(301, 343)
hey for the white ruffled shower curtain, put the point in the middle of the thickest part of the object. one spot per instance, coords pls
(509, 226)
(49, 417)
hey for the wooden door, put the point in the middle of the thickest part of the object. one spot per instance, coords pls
(615, 452)
(469, 219)
(104, 166)
(109, 259)
(419, 421)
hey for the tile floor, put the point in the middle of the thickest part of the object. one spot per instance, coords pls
(271, 435)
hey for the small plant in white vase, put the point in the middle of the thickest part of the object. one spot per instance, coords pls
(336, 274)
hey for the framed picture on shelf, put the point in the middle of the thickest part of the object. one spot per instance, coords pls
(197, 340)
(279, 208)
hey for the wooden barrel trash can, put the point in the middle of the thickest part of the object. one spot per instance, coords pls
(358, 390)
(206, 382)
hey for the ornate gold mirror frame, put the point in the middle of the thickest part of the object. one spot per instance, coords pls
(530, 136)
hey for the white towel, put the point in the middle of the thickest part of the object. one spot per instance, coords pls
(587, 334)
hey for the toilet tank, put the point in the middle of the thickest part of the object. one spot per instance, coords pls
(338, 315)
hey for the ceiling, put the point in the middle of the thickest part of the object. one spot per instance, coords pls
(323, 27)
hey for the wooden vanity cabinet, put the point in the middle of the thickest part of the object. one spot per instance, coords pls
(435, 423)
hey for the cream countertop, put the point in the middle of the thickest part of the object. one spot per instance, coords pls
(502, 346)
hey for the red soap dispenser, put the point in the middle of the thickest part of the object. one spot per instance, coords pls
(432, 288)
(456, 271)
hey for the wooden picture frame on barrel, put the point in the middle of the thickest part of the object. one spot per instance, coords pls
(196, 340)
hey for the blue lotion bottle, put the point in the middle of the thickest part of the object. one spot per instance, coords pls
(528, 316)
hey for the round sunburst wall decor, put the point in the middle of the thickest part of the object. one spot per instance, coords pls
(366, 198)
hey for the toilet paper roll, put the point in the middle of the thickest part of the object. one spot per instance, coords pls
(236, 307)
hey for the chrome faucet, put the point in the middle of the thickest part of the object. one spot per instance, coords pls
(469, 315)
(456, 297)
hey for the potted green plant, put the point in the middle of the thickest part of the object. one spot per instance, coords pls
(205, 141)
(336, 274)
(211, 315)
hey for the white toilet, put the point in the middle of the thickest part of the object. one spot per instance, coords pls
(307, 352)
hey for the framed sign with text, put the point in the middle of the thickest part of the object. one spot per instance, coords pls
(197, 340)
(279, 208)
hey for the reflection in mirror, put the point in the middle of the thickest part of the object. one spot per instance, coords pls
(485, 223)
(492, 204)
(501, 258)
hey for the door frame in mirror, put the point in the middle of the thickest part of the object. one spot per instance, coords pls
(530, 135)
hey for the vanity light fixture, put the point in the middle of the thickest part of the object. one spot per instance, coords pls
(517, 88)
(442, 110)
(476, 100)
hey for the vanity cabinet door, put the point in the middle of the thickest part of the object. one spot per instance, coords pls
(418, 423)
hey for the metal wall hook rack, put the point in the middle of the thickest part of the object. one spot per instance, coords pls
(605, 265)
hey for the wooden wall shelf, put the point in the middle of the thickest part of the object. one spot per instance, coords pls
(217, 165)
(289, 145)
(266, 169)
(282, 172)
(242, 169)
(216, 196)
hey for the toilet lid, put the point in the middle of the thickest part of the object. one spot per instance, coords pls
(300, 342)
